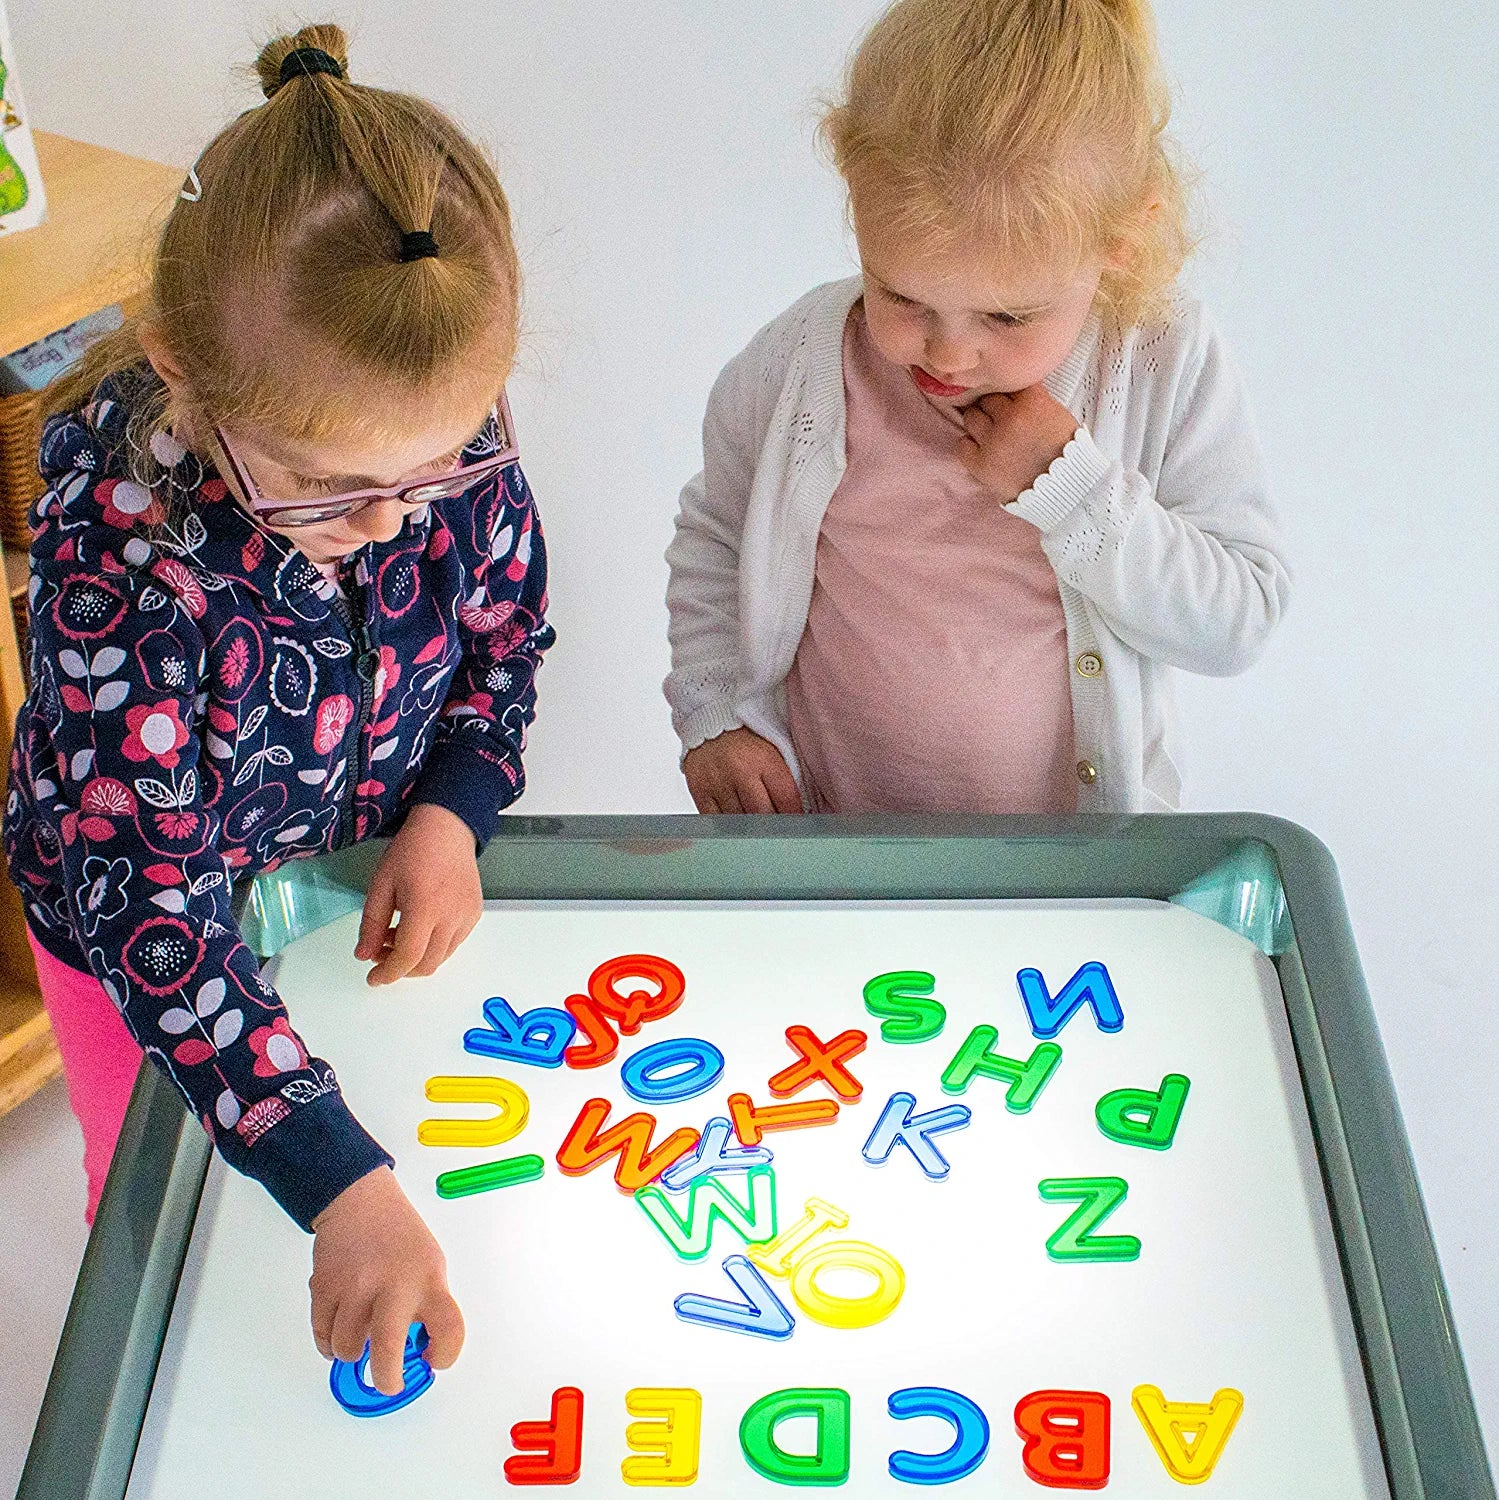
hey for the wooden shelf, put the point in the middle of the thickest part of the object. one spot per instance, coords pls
(28, 1053)
(103, 210)
(103, 213)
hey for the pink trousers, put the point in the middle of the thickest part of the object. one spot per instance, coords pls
(99, 1059)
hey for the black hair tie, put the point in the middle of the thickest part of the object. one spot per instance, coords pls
(417, 244)
(303, 62)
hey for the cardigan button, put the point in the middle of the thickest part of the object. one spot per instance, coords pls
(1087, 772)
(1089, 664)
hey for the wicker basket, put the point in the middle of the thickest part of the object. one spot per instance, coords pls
(20, 615)
(20, 480)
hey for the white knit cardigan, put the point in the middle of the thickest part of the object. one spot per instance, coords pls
(1155, 519)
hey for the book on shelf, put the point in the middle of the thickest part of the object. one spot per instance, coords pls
(39, 364)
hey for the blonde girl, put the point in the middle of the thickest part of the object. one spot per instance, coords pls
(962, 517)
(288, 593)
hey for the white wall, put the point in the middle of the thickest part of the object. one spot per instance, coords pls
(669, 202)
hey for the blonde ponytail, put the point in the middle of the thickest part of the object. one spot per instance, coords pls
(302, 227)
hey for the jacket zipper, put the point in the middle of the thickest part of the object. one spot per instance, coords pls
(367, 668)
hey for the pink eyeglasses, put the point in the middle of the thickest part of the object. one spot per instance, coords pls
(495, 440)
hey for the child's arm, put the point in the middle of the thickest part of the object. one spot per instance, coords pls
(474, 767)
(376, 1270)
(729, 768)
(114, 763)
(430, 874)
(473, 770)
(702, 592)
(1188, 573)
(119, 776)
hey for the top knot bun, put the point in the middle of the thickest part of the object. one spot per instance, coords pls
(325, 37)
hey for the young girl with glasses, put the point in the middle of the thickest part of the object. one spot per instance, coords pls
(961, 519)
(287, 592)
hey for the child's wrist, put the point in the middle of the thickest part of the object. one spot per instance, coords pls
(436, 816)
(436, 822)
(369, 1188)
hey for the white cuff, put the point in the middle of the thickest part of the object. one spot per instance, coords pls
(1073, 475)
(707, 723)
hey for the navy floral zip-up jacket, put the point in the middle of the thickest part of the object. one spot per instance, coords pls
(205, 705)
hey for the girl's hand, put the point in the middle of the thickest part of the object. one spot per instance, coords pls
(1012, 440)
(739, 772)
(375, 1271)
(430, 874)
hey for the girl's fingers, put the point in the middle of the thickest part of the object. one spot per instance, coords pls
(461, 933)
(444, 1330)
(412, 935)
(374, 925)
(350, 1329)
(323, 1311)
(780, 785)
(389, 1325)
(728, 801)
(446, 947)
(977, 423)
(753, 797)
(439, 945)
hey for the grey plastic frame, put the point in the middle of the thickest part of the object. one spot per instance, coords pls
(91, 1417)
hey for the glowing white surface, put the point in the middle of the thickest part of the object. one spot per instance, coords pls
(564, 1282)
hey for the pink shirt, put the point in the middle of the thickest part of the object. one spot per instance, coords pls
(933, 674)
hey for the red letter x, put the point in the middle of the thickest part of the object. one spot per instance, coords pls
(819, 1061)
